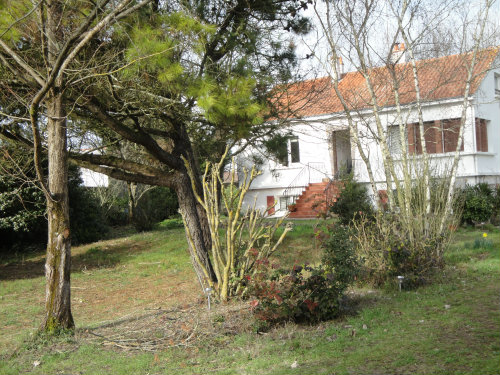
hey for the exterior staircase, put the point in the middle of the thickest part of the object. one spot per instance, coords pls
(315, 199)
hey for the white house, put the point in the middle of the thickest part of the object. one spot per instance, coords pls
(322, 146)
(93, 179)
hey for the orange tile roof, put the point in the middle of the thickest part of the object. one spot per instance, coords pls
(439, 78)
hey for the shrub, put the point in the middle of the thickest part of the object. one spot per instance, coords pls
(22, 203)
(155, 205)
(411, 239)
(23, 208)
(477, 203)
(235, 253)
(496, 205)
(390, 249)
(352, 202)
(415, 264)
(339, 256)
(87, 218)
(306, 293)
(172, 223)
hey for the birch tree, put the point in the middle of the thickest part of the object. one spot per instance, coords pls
(385, 44)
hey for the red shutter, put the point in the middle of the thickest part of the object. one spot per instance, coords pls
(439, 136)
(484, 136)
(451, 131)
(414, 139)
(270, 205)
(382, 194)
(411, 138)
(430, 137)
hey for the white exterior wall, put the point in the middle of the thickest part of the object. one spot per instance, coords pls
(93, 179)
(474, 166)
(259, 197)
(488, 107)
(316, 146)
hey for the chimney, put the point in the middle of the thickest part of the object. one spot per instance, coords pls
(340, 68)
(398, 54)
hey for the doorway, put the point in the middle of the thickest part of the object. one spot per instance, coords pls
(342, 159)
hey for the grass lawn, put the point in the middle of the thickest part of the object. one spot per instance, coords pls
(138, 309)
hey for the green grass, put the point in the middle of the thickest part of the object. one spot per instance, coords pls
(449, 327)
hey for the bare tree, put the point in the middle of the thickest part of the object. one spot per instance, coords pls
(382, 102)
(38, 47)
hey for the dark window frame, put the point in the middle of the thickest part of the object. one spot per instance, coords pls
(294, 150)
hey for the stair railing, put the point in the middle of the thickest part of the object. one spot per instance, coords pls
(312, 172)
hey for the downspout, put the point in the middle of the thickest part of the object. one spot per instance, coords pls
(474, 141)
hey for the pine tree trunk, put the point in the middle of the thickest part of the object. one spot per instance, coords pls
(196, 223)
(58, 263)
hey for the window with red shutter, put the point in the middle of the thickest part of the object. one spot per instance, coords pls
(414, 145)
(430, 135)
(440, 136)
(481, 135)
(451, 131)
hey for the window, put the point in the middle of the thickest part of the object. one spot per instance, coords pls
(284, 203)
(481, 135)
(414, 145)
(394, 140)
(294, 150)
(289, 152)
(450, 133)
(440, 136)
(497, 83)
(282, 154)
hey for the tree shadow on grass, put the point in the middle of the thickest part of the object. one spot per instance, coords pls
(102, 255)
(353, 303)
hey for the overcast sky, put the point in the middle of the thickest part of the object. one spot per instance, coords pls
(381, 35)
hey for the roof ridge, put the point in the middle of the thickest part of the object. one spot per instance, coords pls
(440, 78)
(495, 49)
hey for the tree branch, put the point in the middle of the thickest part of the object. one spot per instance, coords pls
(116, 162)
(137, 135)
(32, 72)
(167, 180)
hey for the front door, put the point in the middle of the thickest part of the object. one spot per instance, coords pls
(342, 160)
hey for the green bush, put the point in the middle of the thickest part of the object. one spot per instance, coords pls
(353, 202)
(22, 203)
(415, 264)
(23, 208)
(172, 223)
(339, 256)
(496, 205)
(306, 293)
(477, 203)
(154, 206)
(87, 218)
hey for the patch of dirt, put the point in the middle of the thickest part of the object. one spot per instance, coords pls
(159, 329)
(482, 256)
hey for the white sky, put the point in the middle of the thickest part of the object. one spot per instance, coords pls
(315, 41)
